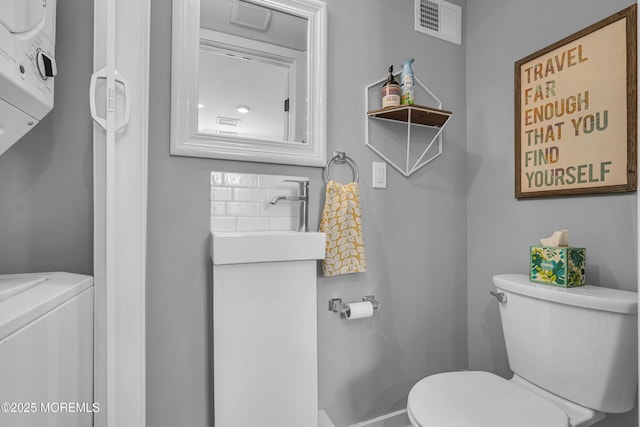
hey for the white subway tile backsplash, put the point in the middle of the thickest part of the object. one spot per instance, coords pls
(240, 180)
(240, 202)
(250, 194)
(252, 224)
(283, 223)
(273, 192)
(218, 208)
(217, 179)
(243, 209)
(223, 223)
(221, 193)
(279, 181)
(283, 208)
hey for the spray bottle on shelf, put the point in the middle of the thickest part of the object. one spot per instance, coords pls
(390, 91)
(406, 82)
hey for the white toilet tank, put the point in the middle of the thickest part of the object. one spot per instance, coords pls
(578, 343)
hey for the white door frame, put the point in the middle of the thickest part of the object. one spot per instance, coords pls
(120, 209)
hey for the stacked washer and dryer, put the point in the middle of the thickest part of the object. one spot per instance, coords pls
(46, 319)
(46, 350)
(27, 66)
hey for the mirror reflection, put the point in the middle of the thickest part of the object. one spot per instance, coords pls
(252, 77)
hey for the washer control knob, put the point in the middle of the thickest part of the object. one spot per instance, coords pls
(46, 65)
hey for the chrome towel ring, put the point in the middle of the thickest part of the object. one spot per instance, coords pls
(339, 157)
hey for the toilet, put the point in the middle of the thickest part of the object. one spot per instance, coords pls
(574, 354)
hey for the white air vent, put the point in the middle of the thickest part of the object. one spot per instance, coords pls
(227, 121)
(440, 19)
(250, 15)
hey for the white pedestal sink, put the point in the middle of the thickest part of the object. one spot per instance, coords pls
(266, 246)
(265, 328)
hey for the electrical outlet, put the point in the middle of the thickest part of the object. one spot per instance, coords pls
(379, 175)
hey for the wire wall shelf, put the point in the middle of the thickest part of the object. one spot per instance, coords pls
(412, 115)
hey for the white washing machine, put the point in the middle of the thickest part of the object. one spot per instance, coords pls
(27, 66)
(46, 350)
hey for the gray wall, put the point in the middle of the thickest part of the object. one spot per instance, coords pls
(46, 178)
(500, 228)
(414, 232)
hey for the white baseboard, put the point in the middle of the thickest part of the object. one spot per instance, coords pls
(394, 419)
(323, 419)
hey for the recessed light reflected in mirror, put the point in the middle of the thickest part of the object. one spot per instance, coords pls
(244, 109)
(200, 105)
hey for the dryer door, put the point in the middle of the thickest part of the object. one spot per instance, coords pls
(21, 16)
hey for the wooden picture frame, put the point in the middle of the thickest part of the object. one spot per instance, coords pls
(576, 112)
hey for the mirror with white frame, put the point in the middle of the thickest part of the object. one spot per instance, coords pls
(249, 80)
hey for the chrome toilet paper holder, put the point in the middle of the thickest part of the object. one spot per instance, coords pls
(335, 304)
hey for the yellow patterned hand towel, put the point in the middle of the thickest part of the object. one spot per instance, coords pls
(341, 223)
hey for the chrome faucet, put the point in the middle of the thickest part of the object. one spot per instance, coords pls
(303, 199)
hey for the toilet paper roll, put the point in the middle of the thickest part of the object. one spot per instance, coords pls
(359, 310)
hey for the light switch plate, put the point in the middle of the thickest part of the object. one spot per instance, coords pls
(379, 175)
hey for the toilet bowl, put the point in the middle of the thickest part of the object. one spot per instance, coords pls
(573, 353)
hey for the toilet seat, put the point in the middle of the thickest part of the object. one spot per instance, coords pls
(479, 399)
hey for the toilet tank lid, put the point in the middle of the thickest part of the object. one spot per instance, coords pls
(594, 297)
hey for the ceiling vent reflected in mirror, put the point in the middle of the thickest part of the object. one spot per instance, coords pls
(227, 121)
(250, 15)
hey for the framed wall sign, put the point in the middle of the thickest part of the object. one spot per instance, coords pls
(575, 112)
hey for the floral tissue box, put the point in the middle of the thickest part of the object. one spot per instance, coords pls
(557, 265)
